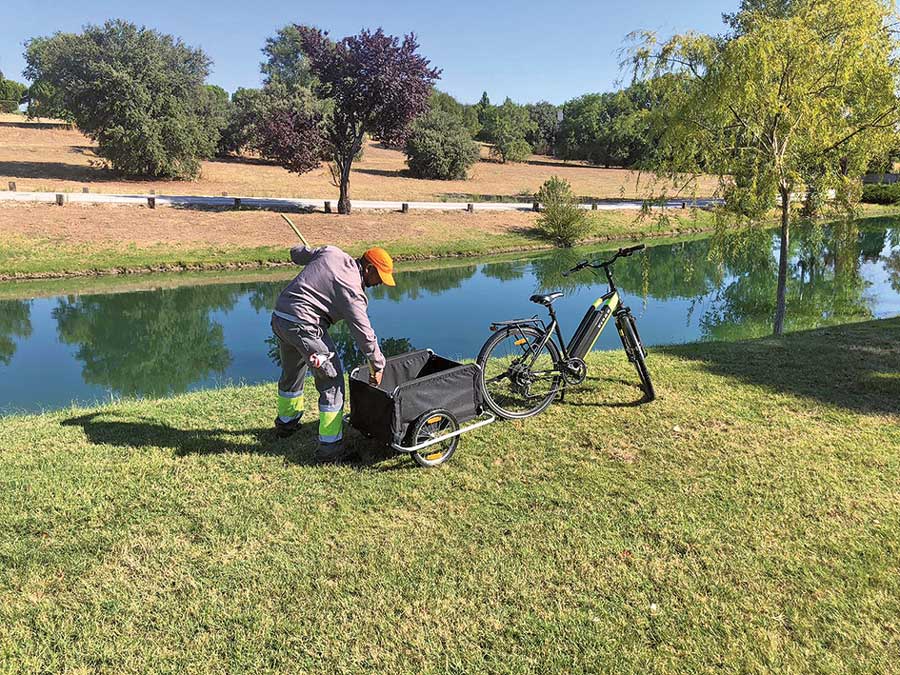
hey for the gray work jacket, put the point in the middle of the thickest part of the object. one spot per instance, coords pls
(330, 288)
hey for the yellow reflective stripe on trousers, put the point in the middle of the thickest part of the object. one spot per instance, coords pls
(290, 407)
(330, 424)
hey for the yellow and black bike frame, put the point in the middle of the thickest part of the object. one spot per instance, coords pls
(588, 331)
(593, 323)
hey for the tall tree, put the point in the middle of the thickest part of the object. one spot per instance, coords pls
(506, 127)
(11, 93)
(799, 88)
(543, 137)
(482, 110)
(136, 92)
(370, 83)
(467, 114)
(285, 65)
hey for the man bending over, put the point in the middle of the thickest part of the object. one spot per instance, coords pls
(330, 288)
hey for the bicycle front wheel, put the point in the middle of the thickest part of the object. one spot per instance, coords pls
(519, 377)
(636, 354)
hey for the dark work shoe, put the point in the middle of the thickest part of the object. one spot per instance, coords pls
(332, 452)
(285, 429)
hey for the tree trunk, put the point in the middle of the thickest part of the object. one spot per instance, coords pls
(778, 329)
(344, 199)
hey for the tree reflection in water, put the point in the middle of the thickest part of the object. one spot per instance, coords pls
(15, 321)
(147, 344)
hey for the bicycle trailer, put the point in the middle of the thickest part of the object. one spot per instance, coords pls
(420, 405)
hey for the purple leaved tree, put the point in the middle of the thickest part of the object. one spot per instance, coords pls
(372, 84)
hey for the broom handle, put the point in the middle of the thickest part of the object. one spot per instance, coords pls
(296, 231)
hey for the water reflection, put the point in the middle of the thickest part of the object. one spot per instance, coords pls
(147, 344)
(165, 341)
(15, 322)
(432, 281)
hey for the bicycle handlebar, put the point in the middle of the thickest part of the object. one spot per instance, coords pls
(624, 252)
(621, 253)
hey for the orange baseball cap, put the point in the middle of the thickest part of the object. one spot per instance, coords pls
(383, 263)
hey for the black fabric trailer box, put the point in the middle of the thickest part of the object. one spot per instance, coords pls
(413, 384)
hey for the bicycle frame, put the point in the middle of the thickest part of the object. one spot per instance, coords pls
(588, 332)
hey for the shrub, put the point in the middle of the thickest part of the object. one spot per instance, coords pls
(440, 147)
(561, 220)
(881, 193)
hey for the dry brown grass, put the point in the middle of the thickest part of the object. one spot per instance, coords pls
(51, 160)
(139, 226)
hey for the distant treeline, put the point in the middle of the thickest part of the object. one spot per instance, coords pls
(142, 95)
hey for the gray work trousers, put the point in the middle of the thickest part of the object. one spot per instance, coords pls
(296, 343)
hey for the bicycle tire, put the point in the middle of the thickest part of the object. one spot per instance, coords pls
(485, 358)
(635, 351)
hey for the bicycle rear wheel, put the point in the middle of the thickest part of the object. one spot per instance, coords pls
(517, 379)
(636, 353)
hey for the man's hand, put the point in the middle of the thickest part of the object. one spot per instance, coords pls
(375, 378)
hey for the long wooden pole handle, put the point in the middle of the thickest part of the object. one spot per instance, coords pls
(296, 231)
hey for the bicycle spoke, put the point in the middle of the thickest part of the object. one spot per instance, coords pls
(519, 379)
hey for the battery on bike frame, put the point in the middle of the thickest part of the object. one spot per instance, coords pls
(591, 325)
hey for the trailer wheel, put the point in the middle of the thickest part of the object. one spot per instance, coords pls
(429, 426)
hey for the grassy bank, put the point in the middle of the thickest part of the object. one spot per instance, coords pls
(46, 241)
(746, 520)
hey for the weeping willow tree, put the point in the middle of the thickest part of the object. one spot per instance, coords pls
(797, 98)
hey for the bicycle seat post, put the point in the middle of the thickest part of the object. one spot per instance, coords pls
(552, 312)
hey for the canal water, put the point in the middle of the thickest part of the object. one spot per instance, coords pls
(95, 347)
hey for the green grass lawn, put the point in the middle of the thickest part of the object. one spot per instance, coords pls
(747, 520)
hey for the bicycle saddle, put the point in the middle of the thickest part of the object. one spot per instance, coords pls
(546, 299)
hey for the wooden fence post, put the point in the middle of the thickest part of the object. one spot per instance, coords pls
(151, 202)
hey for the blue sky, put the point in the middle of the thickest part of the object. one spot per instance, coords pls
(525, 50)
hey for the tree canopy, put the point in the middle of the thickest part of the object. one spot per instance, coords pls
(11, 92)
(136, 92)
(506, 127)
(799, 97)
(370, 83)
(611, 129)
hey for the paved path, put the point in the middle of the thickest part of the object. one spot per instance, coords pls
(317, 204)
